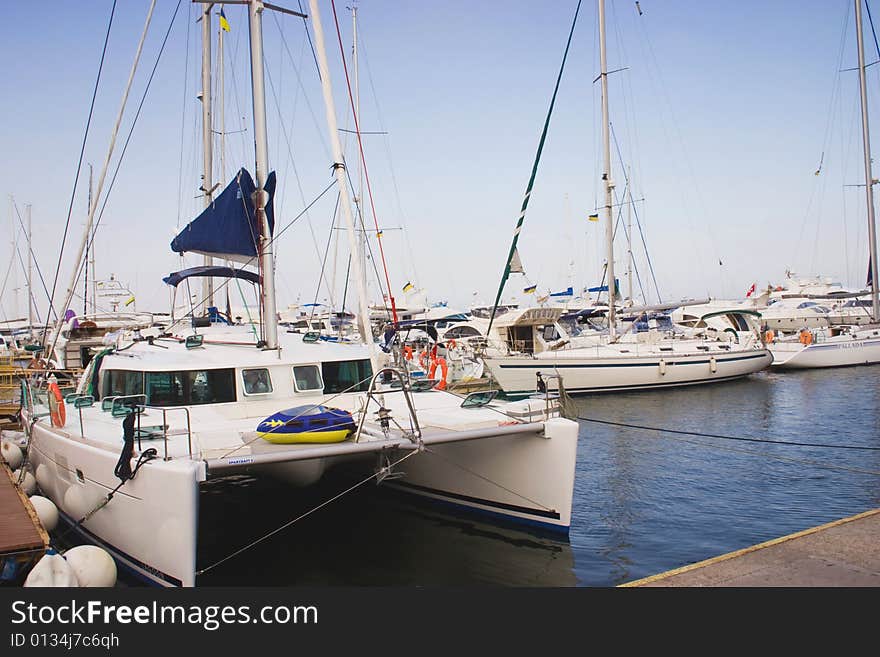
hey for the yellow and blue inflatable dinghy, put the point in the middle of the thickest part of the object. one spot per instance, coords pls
(307, 424)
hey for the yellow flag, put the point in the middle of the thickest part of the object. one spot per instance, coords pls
(224, 24)
(130, 300)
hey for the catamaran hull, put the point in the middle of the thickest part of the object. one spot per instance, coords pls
(149, 526)
(517, 376)
(526, 479)
(832, 353)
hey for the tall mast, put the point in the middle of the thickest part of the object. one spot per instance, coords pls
(30, 272)
(90, 256)
(869, 178)
(261, 171)
(629, 240)
(207, 138)
(344, 200)
(221, 84)
(362, 232)
(14, 281)
(606, 173)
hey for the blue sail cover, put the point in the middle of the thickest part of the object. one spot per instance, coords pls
(227, 228)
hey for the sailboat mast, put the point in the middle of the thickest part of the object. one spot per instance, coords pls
(869, 178)
(261, 171)
(222, 85)
(606, 173)
(629, 239)
(344, 200)
(30, 271)
(207, 139)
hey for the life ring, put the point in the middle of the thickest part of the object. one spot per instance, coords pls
(769, 335)
(444, 370)
(806, 337)
(56, 406)
(408, 352)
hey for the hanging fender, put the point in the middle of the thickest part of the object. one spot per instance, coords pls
(713, 366)
(662, 365)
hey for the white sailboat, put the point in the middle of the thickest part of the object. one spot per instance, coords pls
(199, 402)
(841, 344)
(596, 358)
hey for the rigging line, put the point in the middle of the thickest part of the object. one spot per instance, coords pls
(36, 264)
(387, 140)
(78, 260)
(364, 164)
(486, 479)
(318, 130)
(131, 130)
(309, 37)
(183, 116)
(271, 242)
(300, 517)
(79, 162)
(739, 438)
(667, 108)
(293, 164)
(873, 33)
(372, 258)
(324, 264)
(638, 219)
(777, 457)
(835, 86)
(236, 93)
(525, 203)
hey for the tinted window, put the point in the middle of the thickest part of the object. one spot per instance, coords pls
(190, 388)
(122, 382)
(307, 377)
(347, 376)
(256, 382)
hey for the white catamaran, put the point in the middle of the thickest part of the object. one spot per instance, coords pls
(158, 415)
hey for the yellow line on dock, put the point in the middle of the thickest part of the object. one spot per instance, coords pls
(744, 551)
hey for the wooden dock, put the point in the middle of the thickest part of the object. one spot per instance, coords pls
(23, 540)
(843, 553)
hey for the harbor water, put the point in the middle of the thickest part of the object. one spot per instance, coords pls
(644, 501)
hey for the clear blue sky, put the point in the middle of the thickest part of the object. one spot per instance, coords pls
(723, 112)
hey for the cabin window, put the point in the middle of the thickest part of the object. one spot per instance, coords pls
(550, 332)
(347, 376)
(307, 377)
(256, 382)
(118, 383)
(190, 388)
(461, 332)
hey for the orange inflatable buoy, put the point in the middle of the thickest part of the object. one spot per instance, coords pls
(769, 336)
(450, 344)
(806, 337)
(408, 352)
(444, 370)
(56, 406)
(423, 359)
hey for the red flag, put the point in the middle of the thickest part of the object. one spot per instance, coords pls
(751, 291)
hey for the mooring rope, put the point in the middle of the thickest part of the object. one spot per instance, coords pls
(715, 435)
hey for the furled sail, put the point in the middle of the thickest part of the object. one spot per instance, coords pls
(228, 228)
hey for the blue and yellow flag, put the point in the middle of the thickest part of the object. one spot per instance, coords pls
(407, 287)
(593, 217)
(224, 24)
(530, 289)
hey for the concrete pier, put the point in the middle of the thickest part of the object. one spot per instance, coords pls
(843, 553)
